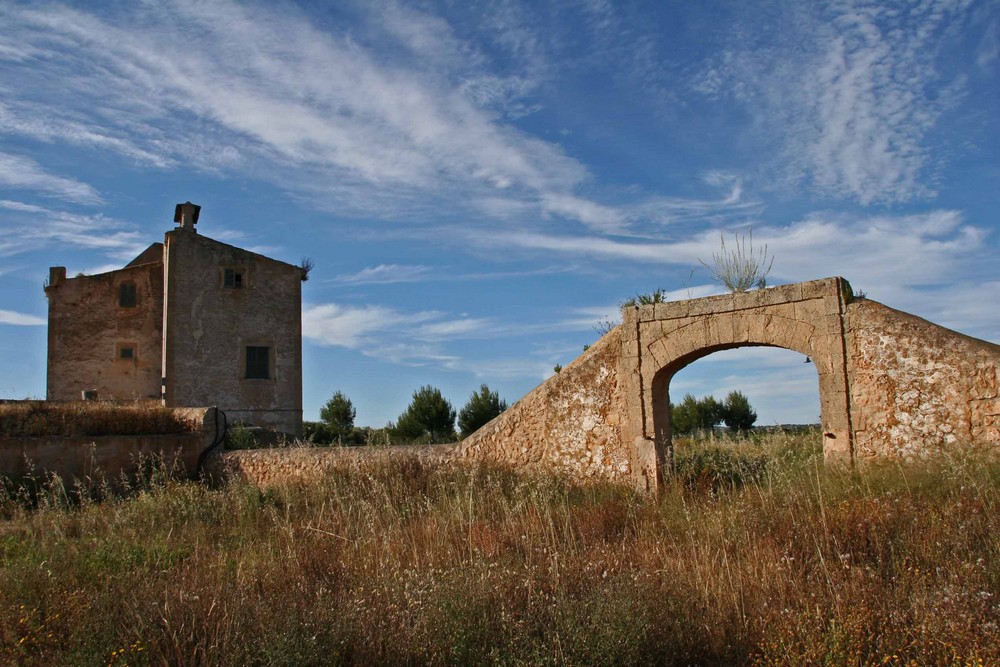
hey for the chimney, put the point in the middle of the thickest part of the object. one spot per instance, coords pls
(57, 274)
(186, 215)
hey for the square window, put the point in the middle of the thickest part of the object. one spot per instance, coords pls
(126, 351)
(232, 278)
(127, 295)
(258, 366)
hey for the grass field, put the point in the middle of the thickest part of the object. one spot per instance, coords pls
(754, 554)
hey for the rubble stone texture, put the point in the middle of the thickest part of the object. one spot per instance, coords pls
(890, 384)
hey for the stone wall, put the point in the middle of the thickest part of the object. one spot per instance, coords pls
(208, 327)
(890, 384)
(272, 467)
(571, 422)
(917, 387)
(90, 457)
(88, 327)
(662, 339)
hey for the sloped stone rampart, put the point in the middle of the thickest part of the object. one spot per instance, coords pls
(571, 422)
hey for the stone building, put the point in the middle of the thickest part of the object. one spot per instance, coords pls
(192, 321)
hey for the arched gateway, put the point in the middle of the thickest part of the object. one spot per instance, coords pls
(890, 384)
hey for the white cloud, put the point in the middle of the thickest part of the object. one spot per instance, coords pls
(466, 327)
(97, 232)
(384, 274)
(355, 326)
(20, 319)
(988, 52)
(22, 173)
(895, 259)
(362, 131)
(596, 216)
(850, 91)
(30, 227)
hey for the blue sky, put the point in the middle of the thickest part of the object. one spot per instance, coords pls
(480, 183)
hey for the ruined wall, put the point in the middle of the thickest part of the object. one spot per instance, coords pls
(111, 456)
(88, 328)
(917, 387)
(209, 325)
(571, 422)
(890, 384)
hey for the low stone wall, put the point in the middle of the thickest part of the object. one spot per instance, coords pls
(270, 467)
(83, 457)
(92, 456)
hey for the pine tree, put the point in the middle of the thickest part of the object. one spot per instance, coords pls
(738, 414)
(483, 406)
(428, 418)
(338, 416)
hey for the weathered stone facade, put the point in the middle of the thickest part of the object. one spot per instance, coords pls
(192, 321)
(890, 384)
(208, 328)
(88, 327)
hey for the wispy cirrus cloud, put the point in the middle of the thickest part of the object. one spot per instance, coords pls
(427, 338)
(384, 274)
(360, 130)
(399, 118)
(850, 91)
(387, 274)
(28, 227)
(20, 319)
(22, 173)
(896, 259)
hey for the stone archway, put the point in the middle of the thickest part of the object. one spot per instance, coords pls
(659, 340)
(890, 384)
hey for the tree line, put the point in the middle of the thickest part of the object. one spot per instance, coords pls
(428, 419)
(704, 414)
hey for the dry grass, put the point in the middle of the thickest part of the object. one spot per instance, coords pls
(756, 554)
(84, 418)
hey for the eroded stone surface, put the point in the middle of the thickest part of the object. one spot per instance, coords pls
(570, 422)
(917, 387)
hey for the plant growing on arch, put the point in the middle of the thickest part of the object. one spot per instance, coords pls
(741, 267)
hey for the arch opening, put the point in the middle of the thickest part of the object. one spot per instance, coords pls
(760, 371)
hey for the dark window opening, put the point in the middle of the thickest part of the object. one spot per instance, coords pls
(126, 353)
(127, 295)
(232, 278)
(258, 362)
